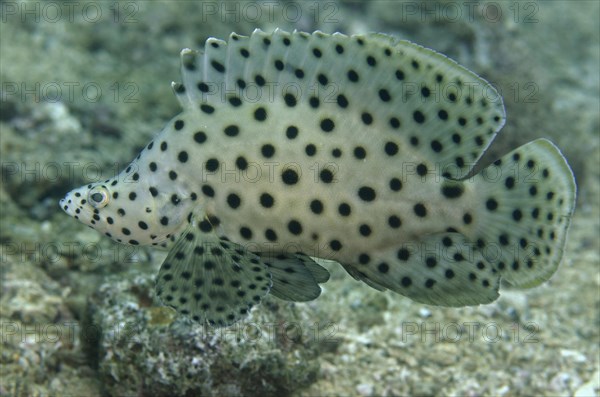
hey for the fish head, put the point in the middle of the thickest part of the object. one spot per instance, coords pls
(128, 212)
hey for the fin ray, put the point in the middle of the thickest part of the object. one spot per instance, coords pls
(210, 279)
(527, 199)
(292, 278)
(441, 269)
(430, 102)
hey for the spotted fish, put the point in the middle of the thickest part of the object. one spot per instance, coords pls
(357, 149)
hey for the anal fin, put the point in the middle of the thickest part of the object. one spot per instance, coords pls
(442, 269)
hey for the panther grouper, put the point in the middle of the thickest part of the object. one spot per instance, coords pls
(356, 149)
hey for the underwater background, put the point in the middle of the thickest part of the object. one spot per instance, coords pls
(85, 85)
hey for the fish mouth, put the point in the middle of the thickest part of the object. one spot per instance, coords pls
(68, 205)
(65, 206)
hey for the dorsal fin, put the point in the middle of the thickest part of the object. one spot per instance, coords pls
(447, 113)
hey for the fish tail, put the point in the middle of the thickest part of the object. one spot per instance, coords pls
(526, 200)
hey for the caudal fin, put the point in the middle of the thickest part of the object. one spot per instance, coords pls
(526, 203)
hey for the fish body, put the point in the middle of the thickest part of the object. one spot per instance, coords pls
(354, 149)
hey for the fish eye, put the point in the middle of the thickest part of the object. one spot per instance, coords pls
(98, 197)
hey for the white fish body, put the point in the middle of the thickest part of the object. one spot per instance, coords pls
(293, 145)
